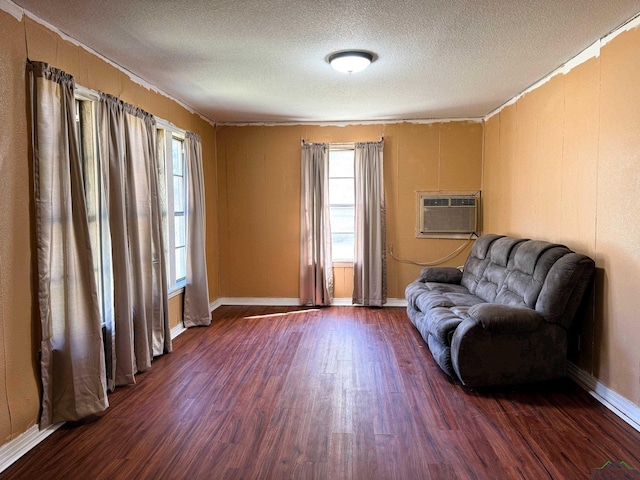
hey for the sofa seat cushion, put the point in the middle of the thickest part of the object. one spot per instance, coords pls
(438, 298)
(441, 322)
(413, 291)
(446, 288)
(417, 289)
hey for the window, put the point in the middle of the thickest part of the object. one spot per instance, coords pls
(171, 148)
(173, 186)
(86, 131)
(171, 153)
(342, 202)
(179, 218)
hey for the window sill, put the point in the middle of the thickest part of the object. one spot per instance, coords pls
(342, 264)
(178, 289)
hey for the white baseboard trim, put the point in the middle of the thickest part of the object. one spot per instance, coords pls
(396, 302)
(12, 451)
(260, 301)
(215, 304)
(177, 330)
(290, 302)
(347, 302)
(625, 409)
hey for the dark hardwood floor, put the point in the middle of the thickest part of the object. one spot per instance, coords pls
(335, 393)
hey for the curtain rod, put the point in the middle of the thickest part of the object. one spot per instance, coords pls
(303, 142)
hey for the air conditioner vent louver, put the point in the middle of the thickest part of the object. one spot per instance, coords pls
(462, 202)
(447, 214)
(436, 202)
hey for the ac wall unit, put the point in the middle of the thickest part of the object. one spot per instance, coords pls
(447, 215)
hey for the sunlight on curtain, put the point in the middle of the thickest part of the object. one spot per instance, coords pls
(316, 270)
(196, 290)
(72, 355)
(369, 268)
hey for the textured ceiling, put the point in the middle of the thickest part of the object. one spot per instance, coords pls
(265, 60)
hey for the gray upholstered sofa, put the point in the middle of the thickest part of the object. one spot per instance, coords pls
(504, 318)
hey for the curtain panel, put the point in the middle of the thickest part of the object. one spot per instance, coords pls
(139, 329)
(369, 267)
(316, 270)
(196, 290)
(72, 355)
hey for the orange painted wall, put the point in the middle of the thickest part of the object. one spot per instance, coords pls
(259, 172)
(19, 323)
(562, 163)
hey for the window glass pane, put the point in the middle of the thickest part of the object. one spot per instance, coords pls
(180, 231)
(342, 246)
(178, 194)
(78, 126)
(176, 145)
(342, 219)
(176, 206)
(341, 191)
(181, 263)
(341, 163)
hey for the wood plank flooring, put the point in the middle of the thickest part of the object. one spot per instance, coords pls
(334, 393)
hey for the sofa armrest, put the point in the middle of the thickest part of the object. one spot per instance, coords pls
(505, 318)
(441, 275)
(483, 358)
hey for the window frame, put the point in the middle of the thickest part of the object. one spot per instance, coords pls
(175, 285)
(182, 213)
(336, 261)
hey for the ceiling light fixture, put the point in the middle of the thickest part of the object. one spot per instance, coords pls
(351, 61)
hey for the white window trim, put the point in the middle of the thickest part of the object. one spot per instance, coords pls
(86, 94)
(174, 287)
(342, 263)
(177, 290)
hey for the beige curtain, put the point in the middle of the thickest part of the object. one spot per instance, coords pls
(72, 356)
(139, 329)
(196, 290)
(369, 267)
(316, 271)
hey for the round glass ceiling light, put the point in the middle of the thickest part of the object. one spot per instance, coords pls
(350, 61)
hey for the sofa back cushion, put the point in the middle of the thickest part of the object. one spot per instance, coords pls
(564, 288)
(526, 277)
(540, 275)
(501, 258)
(477, 261)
